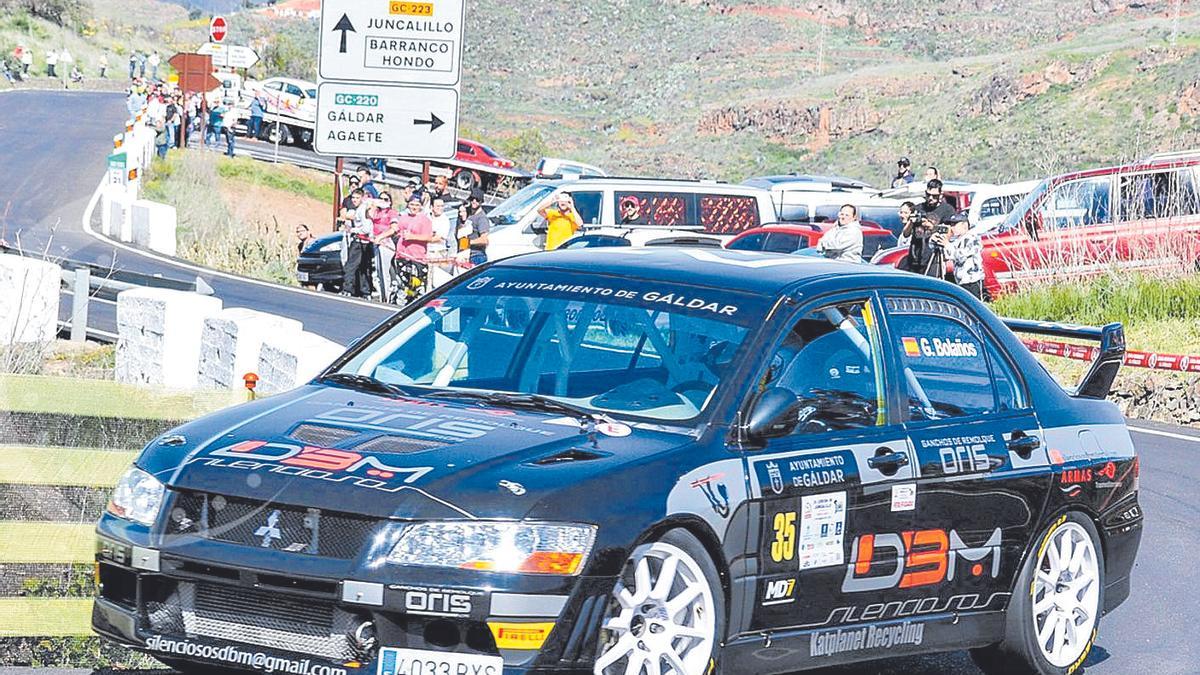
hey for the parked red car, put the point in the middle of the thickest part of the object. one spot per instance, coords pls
(796, 237)
(470, 152)
(1141, 216)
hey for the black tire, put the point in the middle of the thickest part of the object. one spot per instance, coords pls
(465, 180)
(1019, 652)
(646, 617)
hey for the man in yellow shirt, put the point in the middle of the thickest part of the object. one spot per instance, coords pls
(562, 221)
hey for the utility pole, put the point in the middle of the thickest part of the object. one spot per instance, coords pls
(1175, 20)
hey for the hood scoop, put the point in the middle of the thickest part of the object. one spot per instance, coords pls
(398, 445)
(571, 455)
(321, 435)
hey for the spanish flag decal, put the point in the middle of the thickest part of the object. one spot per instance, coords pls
(911, 348)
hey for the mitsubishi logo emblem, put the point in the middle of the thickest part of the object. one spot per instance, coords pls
(269, 531)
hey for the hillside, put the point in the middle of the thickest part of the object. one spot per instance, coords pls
(985, 89)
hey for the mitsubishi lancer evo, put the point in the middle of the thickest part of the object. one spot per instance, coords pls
(642, 461)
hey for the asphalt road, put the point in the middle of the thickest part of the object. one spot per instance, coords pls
(53, 147)
(1151, 632)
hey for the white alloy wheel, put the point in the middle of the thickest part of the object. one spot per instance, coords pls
(1066, 595)
(666, 622)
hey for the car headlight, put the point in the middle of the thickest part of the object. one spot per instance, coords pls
(137, 497)
(335, 245)
(526, 548)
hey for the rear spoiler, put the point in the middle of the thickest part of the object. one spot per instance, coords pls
(1109, 356)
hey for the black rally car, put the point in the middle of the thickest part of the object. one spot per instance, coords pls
(641, 461)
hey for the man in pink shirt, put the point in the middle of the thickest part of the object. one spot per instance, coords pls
(412, 249)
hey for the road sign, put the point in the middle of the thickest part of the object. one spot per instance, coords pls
(392, 41)
(117, 160)
(195, 72)
(218, 28)
(386, 121)
(229, 56)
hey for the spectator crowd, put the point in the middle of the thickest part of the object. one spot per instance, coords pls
(18, 65)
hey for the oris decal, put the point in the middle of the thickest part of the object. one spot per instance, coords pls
(921, 558)
(429, 601)
(308, 461)
(962, 454)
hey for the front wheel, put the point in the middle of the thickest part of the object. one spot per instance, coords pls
(666, 613)
(1055, 611)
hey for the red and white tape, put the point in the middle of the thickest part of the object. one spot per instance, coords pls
(1156, 360)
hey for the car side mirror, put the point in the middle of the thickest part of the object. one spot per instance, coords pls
(775, 414)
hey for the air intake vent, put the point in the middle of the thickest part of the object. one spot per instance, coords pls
(315, 434)
(398, 445)
(572, 455)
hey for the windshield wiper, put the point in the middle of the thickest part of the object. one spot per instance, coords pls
(525, 401)
(364, 382)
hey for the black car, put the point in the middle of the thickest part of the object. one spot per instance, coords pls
(641, 460)
(320, 263)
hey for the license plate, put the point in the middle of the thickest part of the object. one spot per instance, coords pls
(302, 276)
(393, 661)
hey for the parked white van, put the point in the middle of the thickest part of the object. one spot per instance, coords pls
(701, 205)
(992, 204)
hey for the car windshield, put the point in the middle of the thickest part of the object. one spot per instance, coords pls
(311, 93)
(488, 151)
(620, 347)
(513, 209)
(1013, 220)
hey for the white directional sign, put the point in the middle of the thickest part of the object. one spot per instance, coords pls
(367, 120)
(229, 56)
(392, 41)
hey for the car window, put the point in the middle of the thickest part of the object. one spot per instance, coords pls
(750, 242)
(793, 213)
(830, 360)
(991, 208)
(489, 152)
(728, 214)
(1161, 194)
(277, 86)
(784, 242)
(942, 357)
(872, 243)
(662, 208)
(1079, 203)
(1010, 393)
(466, 149)
(588, 205)
(294, 90)
(885, 217)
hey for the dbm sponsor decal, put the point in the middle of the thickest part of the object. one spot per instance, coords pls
(308, 461)
(239, 657)
(828, 643)
(918, 558)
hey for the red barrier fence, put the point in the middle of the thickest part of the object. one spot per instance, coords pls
(1178, 362)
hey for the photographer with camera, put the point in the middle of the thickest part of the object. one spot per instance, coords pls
(964, 248)
(562, 221)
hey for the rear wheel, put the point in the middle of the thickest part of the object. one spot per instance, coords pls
(666, 613)
(466, 180)
(1055, 611)
(278, 133)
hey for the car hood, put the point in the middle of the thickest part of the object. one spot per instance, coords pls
(339, 449)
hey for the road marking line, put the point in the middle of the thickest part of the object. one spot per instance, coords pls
(1168, 434)
(175, 262)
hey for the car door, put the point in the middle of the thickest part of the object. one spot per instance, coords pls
(843, 472)
(1158, 213)
(983, 469)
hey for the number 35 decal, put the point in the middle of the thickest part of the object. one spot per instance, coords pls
(784, 545)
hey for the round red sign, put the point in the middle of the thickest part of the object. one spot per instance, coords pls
(217, 28)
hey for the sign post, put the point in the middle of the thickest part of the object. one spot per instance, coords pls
(389, 78)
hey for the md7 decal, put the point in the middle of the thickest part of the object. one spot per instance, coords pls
(922, 558)
(308, 461)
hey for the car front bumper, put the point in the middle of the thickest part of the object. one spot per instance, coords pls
(207, 609)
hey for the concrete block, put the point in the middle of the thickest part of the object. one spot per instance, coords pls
(115, 214)
(288, 361)
(152, 226)
(231, 341)
(158, 335)
(29, 302)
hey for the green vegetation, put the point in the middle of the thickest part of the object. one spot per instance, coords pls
(276, 176)
(78, 581)
(209, 233)
(102, 398)
(29, 541)
(30, 465)
(45, 616)
(1159, 314)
